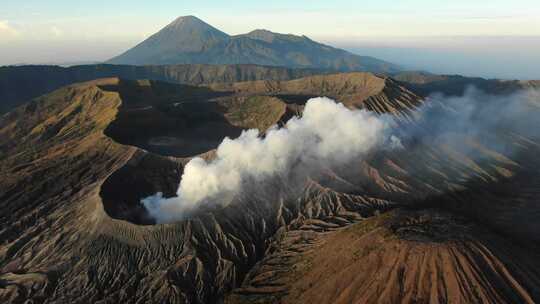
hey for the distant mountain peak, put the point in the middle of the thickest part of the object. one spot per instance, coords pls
(186, 34)
(189, 21)
(191, 25)
(189, 39)
(187, 18)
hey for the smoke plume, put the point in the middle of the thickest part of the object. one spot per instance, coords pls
(489, 119)
(328, 134)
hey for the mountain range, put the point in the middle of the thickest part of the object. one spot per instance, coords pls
(20, 84)
(189, 40)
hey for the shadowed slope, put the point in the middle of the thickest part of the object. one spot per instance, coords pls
(60, 244)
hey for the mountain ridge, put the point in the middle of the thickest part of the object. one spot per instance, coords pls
(65, 171)
(189, 39)
(19, 84)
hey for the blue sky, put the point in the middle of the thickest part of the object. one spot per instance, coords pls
(62, 31)
(319, 18)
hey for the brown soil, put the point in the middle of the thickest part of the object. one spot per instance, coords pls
(399, 257)
(69, 197)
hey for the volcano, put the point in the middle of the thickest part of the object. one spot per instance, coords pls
(189, 40)
(427, 223)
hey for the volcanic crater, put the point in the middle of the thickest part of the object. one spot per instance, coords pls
(172, 123)
(91, 151)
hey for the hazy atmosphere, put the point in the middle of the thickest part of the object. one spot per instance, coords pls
(437, 36)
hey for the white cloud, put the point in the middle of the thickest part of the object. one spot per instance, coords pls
(7, 31)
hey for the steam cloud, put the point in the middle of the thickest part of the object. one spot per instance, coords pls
(327, 134)
(485, 117)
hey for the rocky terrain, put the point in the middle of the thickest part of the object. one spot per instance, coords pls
(425, 224)
(399, 257)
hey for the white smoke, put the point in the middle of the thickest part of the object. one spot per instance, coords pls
(327, 134)
(395, 143)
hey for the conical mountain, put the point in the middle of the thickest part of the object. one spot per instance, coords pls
(187, 34)
(189, 40)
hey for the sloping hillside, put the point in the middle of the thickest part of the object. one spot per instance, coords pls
(191, 40)
(19, 84)
(399, 257)
(71, 230)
